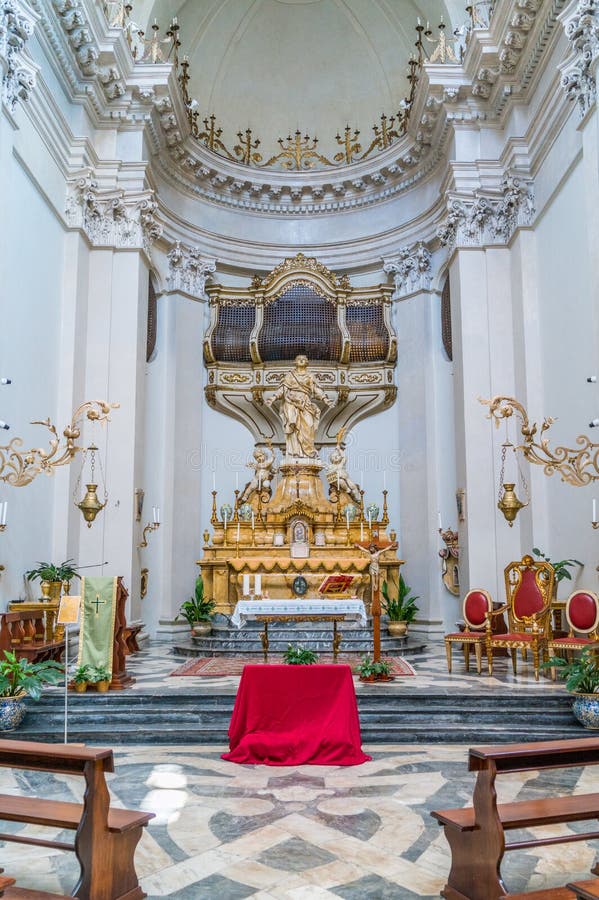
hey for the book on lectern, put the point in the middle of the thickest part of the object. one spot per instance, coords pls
(335, 585)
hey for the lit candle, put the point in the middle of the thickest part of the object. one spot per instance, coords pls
(257, 584)
(439, 521)
(246, 585)
(594, 512)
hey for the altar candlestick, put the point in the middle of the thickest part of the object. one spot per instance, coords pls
(246, 586)
(257, 585)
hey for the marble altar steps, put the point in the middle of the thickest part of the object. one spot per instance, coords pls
(388, 714)
(228, 641)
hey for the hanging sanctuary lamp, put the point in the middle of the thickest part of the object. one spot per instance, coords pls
(91, 504)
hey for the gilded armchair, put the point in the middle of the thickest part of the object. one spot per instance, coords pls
(529, 589)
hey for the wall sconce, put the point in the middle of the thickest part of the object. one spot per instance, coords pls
(150, 527)
(91, 505)
(143, 588)
(450, 555)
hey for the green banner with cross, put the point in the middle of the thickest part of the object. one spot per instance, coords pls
(96, 630)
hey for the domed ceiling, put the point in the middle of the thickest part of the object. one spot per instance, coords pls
(313, 66)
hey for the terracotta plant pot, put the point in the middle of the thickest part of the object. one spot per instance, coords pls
(367, 677)
(102, 686)
(397, 629)
(80, 686)
(385, 678)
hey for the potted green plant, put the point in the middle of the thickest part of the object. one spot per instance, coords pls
(401, 609)
(299, 656)
(101, 677)
(53, 577)
(560, 568)
(365, 669)
(582, 680)
(20, 678)
(81, 678)
(198, 611)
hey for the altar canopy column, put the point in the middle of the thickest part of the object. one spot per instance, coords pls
(484, 366)
(427, 465)
(176, 460)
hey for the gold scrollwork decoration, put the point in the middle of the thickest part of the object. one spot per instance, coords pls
(235, 378)
(298, 153)
(577, 466)
(19, 468)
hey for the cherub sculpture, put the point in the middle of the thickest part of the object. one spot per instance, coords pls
(264, 471)
(337, 475)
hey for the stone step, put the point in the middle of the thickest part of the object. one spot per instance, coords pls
(386, 716)
(278, 643)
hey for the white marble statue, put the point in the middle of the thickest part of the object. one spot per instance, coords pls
(337, 475)
(264, 471)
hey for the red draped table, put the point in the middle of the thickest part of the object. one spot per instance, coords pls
(293, 715)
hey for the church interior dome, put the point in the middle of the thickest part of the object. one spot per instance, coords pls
(311, 66)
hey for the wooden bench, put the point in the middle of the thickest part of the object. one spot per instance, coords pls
(23, 632)
(476, 834)
(105, 837)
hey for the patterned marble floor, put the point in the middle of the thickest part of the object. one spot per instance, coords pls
(152, 668)
(226, 832)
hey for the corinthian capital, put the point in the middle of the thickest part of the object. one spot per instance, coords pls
(188, 271)
(578, 77)
(17, 21)
(411, 270)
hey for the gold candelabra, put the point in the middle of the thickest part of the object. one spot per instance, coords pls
(149, 528)
(19, 468)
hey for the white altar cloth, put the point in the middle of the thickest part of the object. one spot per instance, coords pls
(352, 609)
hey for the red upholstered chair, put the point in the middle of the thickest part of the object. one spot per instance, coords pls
(476, 605)
(528, 588)
(582, 615)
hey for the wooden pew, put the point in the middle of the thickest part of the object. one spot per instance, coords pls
(23, 632)
(476, 834)
(105, 837)
(585, 890)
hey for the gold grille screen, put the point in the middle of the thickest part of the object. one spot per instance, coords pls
(300, 321)
(446, 320)
(152, 321)
(369, 336)
(231, 337)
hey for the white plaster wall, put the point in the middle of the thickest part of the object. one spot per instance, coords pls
(569, 353)
(30, 342)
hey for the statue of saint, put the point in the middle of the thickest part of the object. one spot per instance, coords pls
(337, 475)
(299, 414)
(264, 469)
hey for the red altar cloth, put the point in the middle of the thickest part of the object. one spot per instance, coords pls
(293, 715)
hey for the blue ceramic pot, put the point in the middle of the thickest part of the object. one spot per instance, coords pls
(12, 711)
(586, 710)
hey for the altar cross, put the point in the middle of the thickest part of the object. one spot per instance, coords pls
(97, 603)
(375, 548)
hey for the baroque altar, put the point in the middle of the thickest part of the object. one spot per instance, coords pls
(289, 527)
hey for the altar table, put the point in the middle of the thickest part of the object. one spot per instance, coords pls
(296, 715)
(318, 610)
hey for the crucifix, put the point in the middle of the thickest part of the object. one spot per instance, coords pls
(97, 603)
(375, 548)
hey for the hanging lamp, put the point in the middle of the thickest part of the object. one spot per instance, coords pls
(90, 505)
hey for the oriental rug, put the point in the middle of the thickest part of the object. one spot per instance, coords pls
(222, 665)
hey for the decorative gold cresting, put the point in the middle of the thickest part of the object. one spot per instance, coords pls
(577, 466)
(20, 468)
